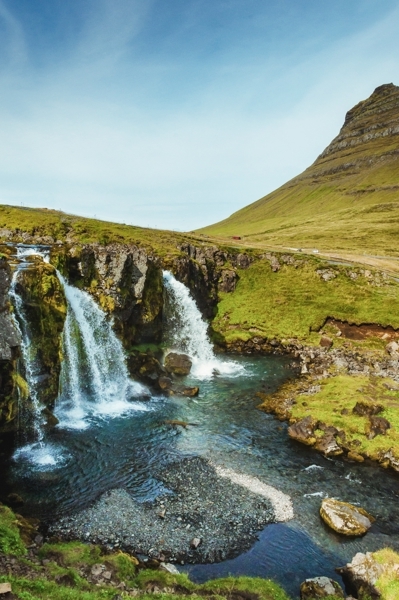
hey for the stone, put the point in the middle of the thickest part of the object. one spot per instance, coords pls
(392, 348)
(5, 588)
(97, 570)
(377, 426)
(303, 431)
(228, 281)
(352, 455)
(366, 409)
(179, 364)
(320, 587)
(169, 568)
(15, 500)
(195, 542)
(190, 392)
(325, 341)
(362, 574)
(344, 518)
(328, 445)
(165, 383)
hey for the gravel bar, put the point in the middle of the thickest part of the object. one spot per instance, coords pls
(210, 514)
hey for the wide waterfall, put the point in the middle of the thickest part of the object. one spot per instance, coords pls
(186, 332)
(94, 379)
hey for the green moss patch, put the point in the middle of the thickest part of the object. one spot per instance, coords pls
(295, 302)
(334, 405)
(10, 538)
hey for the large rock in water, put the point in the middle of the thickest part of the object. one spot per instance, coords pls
(345, 518)
(320, 587)
(179, 364)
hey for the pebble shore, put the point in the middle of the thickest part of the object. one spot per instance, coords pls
(210, 514)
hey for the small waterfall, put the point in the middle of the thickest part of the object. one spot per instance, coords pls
(186, 332)
(94, 377)
(31, 367)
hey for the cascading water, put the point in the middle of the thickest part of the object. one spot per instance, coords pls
(186, 332)
(94, 378)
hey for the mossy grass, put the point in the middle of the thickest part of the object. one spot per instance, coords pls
(61, 578)
(295, 302)
(60, 226)
(10, 538)
(334, 404)
(388, 583)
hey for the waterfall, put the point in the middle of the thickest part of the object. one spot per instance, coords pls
(186, 332)
(31, 366)
(94, 378)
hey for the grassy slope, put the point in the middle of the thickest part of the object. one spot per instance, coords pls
(294, 302)
(59, 225)
(354, 209)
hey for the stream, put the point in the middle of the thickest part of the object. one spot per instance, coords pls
(124, 442)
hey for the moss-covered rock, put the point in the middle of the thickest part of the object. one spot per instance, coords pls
(9, 351)
(345, 518)
(45, 308)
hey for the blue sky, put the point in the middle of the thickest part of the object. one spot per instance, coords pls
(175, 113)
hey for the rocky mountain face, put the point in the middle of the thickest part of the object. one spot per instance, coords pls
(347, 199)
(369, 135)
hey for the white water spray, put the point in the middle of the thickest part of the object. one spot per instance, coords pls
(94, 377)
(187, 332)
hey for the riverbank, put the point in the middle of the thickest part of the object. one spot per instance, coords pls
(208, 514)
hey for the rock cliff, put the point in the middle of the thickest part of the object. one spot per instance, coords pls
(9, 351)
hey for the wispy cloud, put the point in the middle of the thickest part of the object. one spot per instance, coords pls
(168, 142)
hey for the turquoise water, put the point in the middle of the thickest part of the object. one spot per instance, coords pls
(126, 450)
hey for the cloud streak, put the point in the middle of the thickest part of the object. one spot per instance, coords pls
(155, 140)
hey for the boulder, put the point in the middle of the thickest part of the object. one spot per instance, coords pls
(169, 568)
(320, 587)
(179, 364)
(303, 431)
(328, 445)
(228, 280)
(377, 426)
(361, 575)
(392, 348)
(189, 392)
(345, 518)
(325, 342)
(366, 409)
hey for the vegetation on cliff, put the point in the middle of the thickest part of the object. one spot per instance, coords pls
(348, 198)
(296, 300)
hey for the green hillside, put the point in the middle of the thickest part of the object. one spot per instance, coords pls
(347, 200)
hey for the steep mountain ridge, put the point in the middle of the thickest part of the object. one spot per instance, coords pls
(348, 198)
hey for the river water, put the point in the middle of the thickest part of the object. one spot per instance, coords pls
(122, 441)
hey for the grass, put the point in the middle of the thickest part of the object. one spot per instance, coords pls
(60, 226)
(295, 302)
(388, 583)
(347, 200)
(62, 578)
(333, 405)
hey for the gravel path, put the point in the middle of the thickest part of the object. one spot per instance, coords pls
(210, 514)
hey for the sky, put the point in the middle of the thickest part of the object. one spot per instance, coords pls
(174, 114)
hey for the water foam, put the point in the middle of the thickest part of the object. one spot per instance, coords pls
(187, 332)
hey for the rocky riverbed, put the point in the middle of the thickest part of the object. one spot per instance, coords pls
(207, 514)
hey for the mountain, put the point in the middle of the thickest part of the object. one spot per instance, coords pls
(348, 199)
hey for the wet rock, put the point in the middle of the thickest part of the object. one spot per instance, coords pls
(320, 587)
(165, 383)
(366, 409)
(145, 367)
(178, 364)
(352, 455)
(169, 568)
(361, 575)
(50, 419)
(377, 426)
(15, 500)
(189, 392)
(345, 518)
(303, 431)
(328, 445)
(388, 459)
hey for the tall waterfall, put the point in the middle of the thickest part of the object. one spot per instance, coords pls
(31, 366)
(186, 332)
(94, 378)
